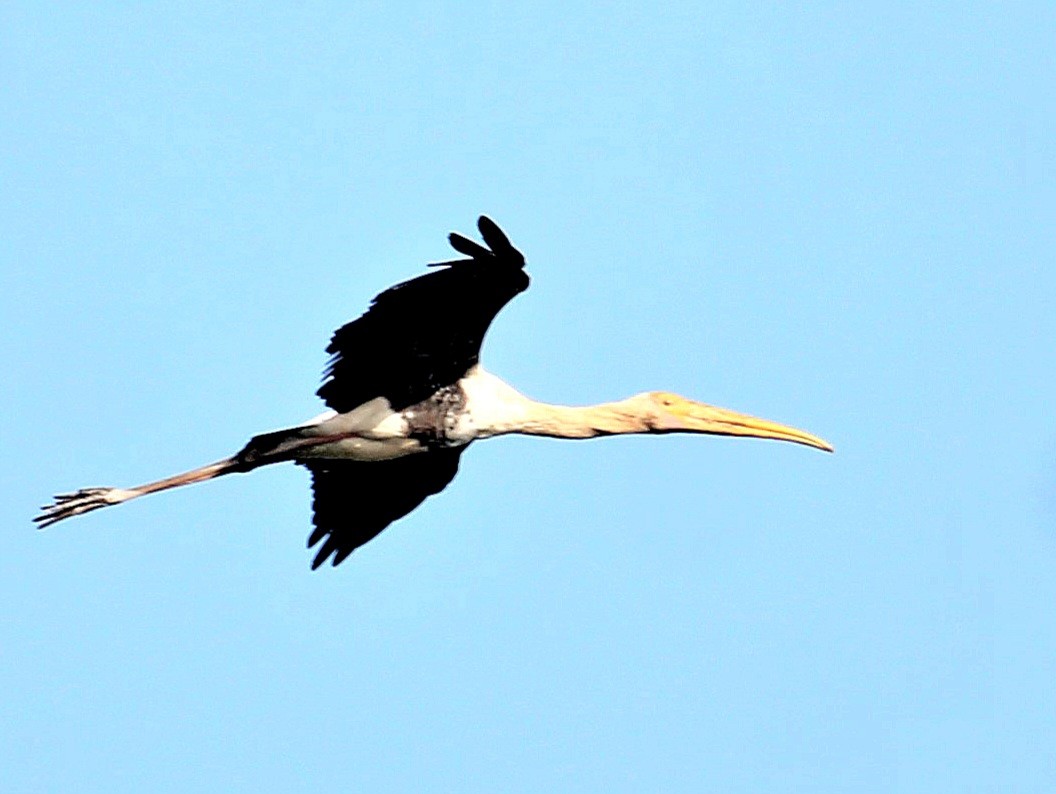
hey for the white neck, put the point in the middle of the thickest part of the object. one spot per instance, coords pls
(495, 408)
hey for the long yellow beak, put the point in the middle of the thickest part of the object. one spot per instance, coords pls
(682, 415)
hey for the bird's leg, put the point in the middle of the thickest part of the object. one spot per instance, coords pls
(264, 449)
(88, 499)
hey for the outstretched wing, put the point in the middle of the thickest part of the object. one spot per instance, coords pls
(353, 501)
(425, 333)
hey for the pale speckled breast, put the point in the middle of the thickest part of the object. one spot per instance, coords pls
(441, 420)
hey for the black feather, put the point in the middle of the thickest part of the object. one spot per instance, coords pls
(353, 501)
(425, 333)
(497, 240)
(466, 246)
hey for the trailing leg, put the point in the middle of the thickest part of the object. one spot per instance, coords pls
(88, 499)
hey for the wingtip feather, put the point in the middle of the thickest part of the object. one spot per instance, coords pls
(466, 246)
(328, 548)
(495, 237)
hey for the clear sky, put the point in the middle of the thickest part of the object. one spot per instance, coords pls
(839, 217)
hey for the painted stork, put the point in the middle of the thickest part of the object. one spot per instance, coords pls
(407, 395)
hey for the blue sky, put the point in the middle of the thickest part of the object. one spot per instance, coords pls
(840, 217)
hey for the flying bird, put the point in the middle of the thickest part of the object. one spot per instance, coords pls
(407, 395)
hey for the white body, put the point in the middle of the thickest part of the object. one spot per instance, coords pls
(374, 431)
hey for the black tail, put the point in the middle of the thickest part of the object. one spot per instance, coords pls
(272, 447)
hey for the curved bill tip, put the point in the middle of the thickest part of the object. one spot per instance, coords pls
(689, 416)
(762, 428)
(819, 443)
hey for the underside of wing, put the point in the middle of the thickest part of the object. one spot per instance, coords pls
(425, 333)
(353, 501)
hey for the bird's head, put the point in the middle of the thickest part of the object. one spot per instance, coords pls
(671, 413)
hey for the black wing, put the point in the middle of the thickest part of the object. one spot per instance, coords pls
(425, 333)
(353, 501)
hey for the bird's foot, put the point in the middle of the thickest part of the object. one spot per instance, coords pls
(67, 505)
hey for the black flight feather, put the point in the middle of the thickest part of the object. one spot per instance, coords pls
(497, 240)
(466, 246)
(425, 333)
(353, 501)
